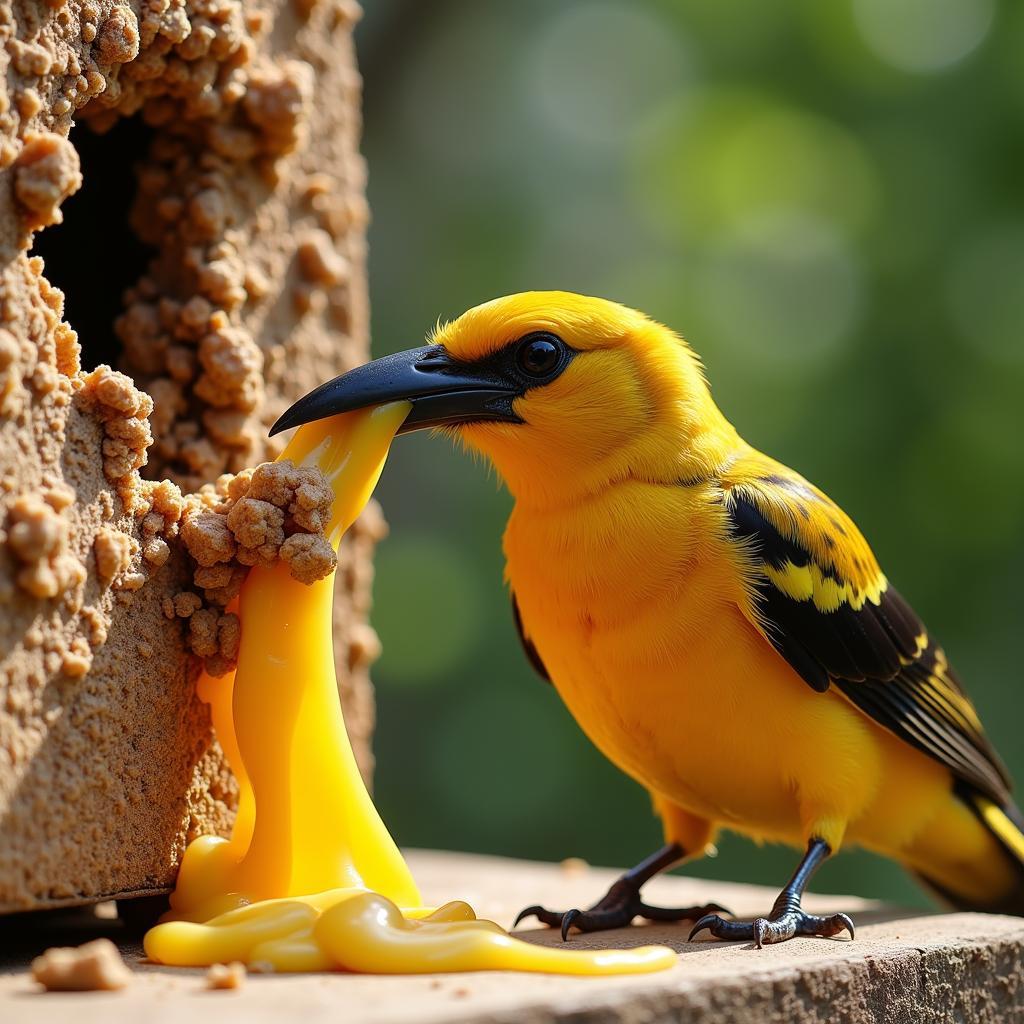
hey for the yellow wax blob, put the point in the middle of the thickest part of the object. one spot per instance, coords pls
(310, 879)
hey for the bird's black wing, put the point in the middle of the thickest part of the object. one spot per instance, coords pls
(827, 608)
(531, 651)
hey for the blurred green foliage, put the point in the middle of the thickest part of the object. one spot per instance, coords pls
(825, 198)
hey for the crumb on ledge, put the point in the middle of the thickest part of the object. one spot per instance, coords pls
(226, 976)
(95, 967)
(574, 866)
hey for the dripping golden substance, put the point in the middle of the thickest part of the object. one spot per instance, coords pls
(310, 879)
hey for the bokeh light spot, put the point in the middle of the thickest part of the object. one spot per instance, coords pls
(923, 35)
(783, 290)
(465, 130)
(974, 445)
(708, 165)
(598, 66)
(427, 608)
(986, 296)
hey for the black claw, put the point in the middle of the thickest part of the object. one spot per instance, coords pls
(567, 919)
(535, 911)
(704, 923)
(722, 929)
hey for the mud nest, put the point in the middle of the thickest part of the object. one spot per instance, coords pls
(187, 172)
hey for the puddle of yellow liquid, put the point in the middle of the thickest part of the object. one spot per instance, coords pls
(310, 879)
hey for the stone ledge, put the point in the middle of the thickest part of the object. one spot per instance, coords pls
(903, 966)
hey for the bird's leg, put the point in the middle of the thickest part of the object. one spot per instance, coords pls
(622, 902)
(787, 917)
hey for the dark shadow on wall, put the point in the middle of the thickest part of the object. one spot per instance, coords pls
(94, 256)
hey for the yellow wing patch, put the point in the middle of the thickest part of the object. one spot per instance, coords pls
(811, 583)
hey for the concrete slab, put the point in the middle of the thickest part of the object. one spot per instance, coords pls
(903, 966)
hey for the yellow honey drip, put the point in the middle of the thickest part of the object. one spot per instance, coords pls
(310, 879)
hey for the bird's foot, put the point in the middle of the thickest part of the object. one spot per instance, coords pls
(779, 926)
(616, 909)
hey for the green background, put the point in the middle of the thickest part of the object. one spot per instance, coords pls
(825, 199)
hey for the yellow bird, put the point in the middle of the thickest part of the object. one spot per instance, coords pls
(717, 625)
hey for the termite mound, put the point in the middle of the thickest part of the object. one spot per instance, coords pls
(187, 172)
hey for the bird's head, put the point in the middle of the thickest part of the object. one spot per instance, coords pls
(561, 391)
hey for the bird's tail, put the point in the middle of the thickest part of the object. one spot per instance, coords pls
(973, 855)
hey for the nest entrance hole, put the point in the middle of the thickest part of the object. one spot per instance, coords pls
(94, 256)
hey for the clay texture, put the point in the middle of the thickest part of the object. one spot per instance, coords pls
(118, 482)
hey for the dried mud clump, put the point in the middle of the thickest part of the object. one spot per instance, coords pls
(128, 516)
(124, 412)
(94, 967)
(37, 535)
(113, 553)
(276, 511)
(45, 174)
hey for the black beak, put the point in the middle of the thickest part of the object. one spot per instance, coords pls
(441, 391)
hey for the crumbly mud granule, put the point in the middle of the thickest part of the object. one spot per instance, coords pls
(96, 966)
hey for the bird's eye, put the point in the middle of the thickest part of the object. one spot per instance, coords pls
(539, 355)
